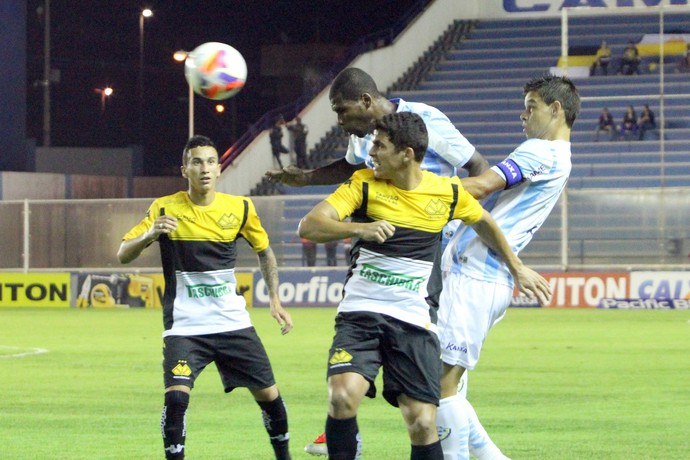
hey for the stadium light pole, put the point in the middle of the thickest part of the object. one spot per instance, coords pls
(145, 13)
(104, 93)
(46, 74)
(181, 56)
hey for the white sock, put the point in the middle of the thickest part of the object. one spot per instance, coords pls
(480, 444)
(453, 427)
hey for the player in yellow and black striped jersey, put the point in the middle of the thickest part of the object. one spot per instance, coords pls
(398, 212)
(199, 261)
(390, 277)
(205, 320)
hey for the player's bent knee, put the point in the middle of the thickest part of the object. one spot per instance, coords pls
(265, 394)
(423, 430)
(342, 403)
(182, 388)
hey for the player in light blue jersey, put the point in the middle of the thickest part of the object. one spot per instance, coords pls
(358, 103)
(477, 286)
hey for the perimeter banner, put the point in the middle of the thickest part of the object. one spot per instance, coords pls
(104, 290)
(303, 288)
(622, 290)
(324, 288)
(134, 290)
(34, 289)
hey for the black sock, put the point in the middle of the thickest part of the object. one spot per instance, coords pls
(429, 452)
(344, 441)
(275, 418)
(173, 423)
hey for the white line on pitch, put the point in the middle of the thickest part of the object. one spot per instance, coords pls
(29, 352)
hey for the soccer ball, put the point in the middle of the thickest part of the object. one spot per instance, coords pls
(215, 70)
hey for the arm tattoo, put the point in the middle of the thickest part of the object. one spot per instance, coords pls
(269, 269)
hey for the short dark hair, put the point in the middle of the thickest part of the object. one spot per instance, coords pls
(194, 142)
(352, 83)
(553, 88)
(406, 129)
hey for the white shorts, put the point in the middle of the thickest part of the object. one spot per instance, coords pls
(468, 310)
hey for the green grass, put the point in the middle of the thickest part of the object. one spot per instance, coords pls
(551, 384)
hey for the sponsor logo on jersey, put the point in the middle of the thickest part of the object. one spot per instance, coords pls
(184, 218)
(453, 347)
(227, 222)
(199, 291)
(393, 199)
(387, 278)
(537, 172)
(340, 356)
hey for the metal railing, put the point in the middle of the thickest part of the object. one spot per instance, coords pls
(611, 229)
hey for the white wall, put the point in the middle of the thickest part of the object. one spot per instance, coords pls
(86, 160)
(385, 64)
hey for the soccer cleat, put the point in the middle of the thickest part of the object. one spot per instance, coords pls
(318, 447)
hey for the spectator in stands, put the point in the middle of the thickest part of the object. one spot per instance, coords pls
(308, 253)
(628, 127)
(646, 121)
(347, 246)
(630, 61)
(602, 59)
(331, 248)
(607, 124)
(276, 138)
(298, 131)
(684, 64)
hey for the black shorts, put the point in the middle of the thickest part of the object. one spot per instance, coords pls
(410, 355)
(239, 356)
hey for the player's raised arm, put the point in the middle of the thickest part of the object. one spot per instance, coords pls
(333, 173)
(130, 249)
(483, 185)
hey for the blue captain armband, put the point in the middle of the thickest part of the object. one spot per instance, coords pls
(511, 171)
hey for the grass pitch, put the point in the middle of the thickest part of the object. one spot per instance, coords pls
(551, 384)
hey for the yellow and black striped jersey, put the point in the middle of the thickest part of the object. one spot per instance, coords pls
(391, 277)
(199, 261)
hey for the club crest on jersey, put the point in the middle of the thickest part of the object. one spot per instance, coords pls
(227, 222)
(437, 208)
(182, 369)
(443, 432)
(340, 356)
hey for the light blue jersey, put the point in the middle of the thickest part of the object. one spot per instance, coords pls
(536, 173)
(448, 150)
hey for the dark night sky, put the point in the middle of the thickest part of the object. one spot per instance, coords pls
(93, 46)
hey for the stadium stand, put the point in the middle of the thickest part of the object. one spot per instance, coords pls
(475, 72)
